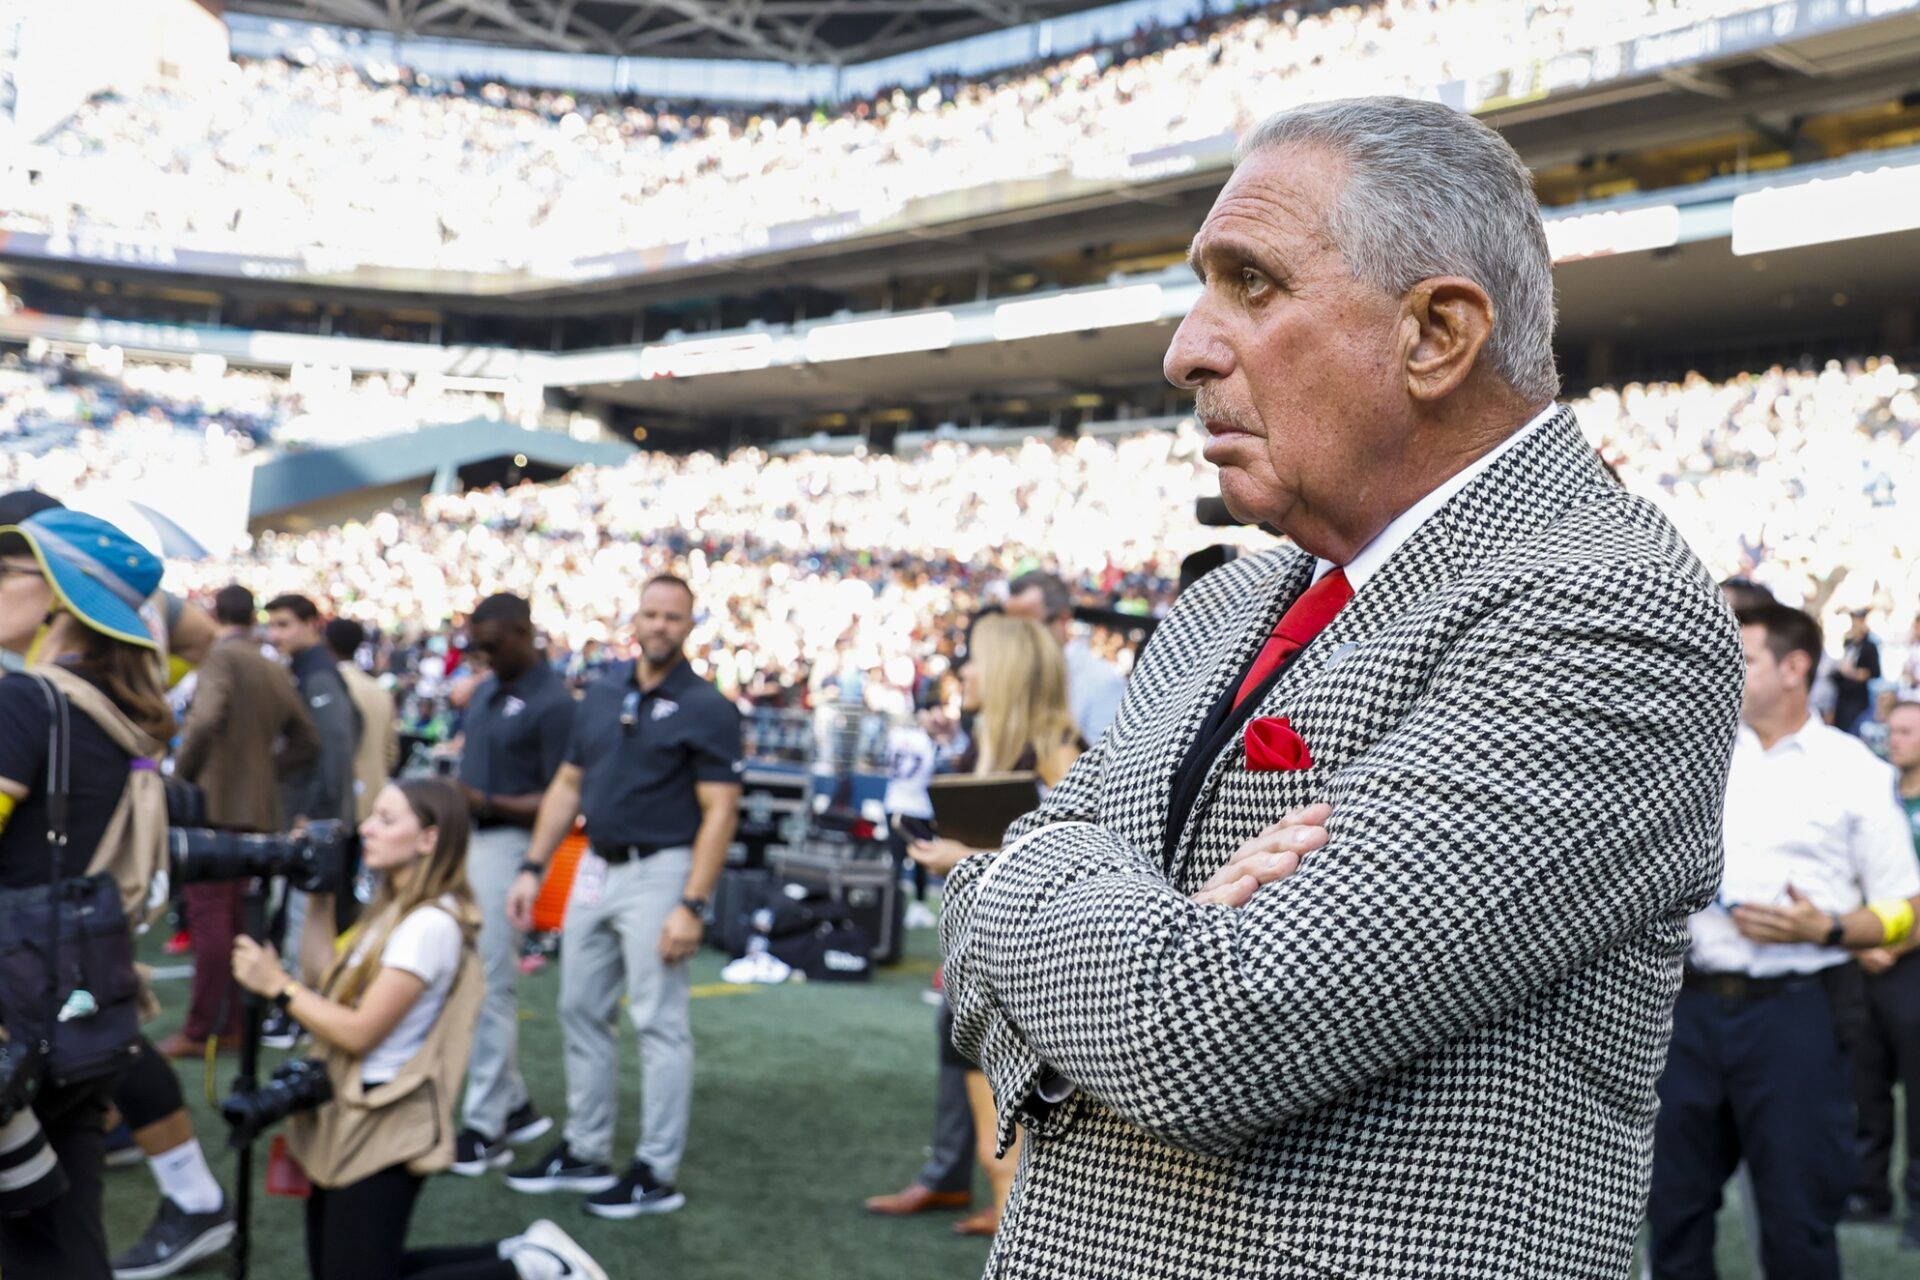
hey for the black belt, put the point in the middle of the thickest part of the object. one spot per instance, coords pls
(1741, 986)
(615, 854)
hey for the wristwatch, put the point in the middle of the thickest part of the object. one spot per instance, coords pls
(284, 996)
(696, 905)
(1836, 934)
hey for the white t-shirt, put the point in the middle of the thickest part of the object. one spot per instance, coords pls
(427, 945)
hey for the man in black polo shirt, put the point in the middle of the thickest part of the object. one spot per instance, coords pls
(517, 727)
(654, 764)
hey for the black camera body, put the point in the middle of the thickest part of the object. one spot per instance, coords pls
(299, 1085)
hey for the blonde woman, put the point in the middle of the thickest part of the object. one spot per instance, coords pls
(1015, 685)
(394, 1061)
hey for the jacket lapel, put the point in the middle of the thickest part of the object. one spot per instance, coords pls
(1518, 495)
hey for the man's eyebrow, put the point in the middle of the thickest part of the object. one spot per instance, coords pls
(1227, 249)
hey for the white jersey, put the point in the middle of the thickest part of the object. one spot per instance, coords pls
(910, 761)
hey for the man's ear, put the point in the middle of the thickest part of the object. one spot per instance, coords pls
(1447, 320)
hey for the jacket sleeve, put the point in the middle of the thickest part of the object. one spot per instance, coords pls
(207, 717)
(1556, 790)
(1008, 1061)
(299, 740)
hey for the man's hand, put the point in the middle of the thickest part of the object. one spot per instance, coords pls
(476, 799)
(1878, 960)
(680, 936)
(520, 899)
(1272, 855)
(1799, 922)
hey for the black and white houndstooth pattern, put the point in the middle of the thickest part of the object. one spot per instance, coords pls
(1432, 1052)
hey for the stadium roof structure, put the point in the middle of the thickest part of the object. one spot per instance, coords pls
(801, 32)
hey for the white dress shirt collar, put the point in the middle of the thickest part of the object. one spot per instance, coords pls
(1367, 561)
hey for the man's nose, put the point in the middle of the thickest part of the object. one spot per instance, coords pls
(1197, 353)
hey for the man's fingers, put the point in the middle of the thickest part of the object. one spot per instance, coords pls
(1234, 893)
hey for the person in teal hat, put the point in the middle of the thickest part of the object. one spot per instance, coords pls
(194, 1218)
(71, 591)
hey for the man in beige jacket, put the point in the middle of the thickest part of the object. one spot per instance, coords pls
(379, 750)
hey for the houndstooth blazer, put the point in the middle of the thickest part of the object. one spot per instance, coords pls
(1432, 1051)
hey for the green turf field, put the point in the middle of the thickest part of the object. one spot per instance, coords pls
(808, 1099)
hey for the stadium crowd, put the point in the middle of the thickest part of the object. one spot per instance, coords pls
(806, 562)
(385, 166)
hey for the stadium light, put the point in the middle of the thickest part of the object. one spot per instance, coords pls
(888, 336)
(1075, 312)
(1827, 209)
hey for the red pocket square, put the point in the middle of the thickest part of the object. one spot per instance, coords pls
(1272, 745)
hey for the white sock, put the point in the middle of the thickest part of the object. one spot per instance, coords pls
(186, 1179)
(536, 1262)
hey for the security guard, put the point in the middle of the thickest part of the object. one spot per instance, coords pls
(655, 765)
(516, 732)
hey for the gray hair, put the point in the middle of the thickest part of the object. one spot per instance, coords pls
(1431, 191)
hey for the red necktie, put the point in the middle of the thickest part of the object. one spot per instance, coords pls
(1306, 618)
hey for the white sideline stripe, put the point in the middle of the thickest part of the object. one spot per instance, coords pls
(171, 972)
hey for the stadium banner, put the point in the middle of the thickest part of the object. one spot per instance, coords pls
(1651, 54)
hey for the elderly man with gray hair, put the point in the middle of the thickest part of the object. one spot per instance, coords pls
(1351, 948)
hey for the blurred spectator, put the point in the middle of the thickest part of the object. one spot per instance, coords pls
(1888, 1050)
(1857, 669)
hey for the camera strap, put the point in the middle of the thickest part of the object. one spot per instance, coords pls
(59, 783)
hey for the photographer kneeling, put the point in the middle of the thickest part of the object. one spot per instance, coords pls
(395, 1018)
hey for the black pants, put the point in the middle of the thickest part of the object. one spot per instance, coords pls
(359, 1232)
(1888, 1052)
(1764, 1080)
(148, 1090)
(949, 1165)
(68, 1238)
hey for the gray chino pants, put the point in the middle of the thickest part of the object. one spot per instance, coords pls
(611, 943)
(495, 1089)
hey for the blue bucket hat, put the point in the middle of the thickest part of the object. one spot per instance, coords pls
(97, 573)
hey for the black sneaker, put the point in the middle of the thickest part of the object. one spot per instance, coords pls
(636, 1193)
(474, 1154)
(176, 1240)
(526, 1124)
(278, 1031)
(561, 1170)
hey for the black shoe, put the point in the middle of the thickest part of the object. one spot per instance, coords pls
(278, 1031)
(1910, 1234)
(636, 1193)
(474, 1154)
(176, 1240)
(560, 1170)
(1864, 1212)
(526, 1124)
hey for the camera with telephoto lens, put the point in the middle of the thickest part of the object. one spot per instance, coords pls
(300, 1085)
(312, 859)
(30, 1174)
